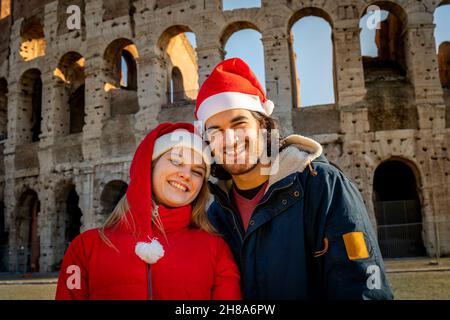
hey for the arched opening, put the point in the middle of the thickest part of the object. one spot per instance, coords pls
(177, 45)
(30, 114)
(110, 196)
(312, 58)
(68, 219)
(239, 4)
(128, 77)
(252, 52)
(121, 76)
(397, 210)
(70, 87)
(3, 109)
(28, 243)
(33, 39)
(383, 39)
(390, 94)
(442, 36)
(176, 86)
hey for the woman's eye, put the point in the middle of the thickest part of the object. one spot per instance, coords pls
(176, 162)
(198, 173)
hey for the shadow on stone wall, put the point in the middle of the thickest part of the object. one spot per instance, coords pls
(389, 98)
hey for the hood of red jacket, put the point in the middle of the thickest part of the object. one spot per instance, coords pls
(139, 192)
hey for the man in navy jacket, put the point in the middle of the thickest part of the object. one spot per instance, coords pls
(296, 225)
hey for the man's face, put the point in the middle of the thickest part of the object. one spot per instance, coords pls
(235, 141)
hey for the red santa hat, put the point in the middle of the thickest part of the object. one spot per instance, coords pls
(231, 85)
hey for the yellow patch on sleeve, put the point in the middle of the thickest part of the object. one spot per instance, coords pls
(355, 245)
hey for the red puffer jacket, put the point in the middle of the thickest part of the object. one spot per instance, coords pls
(196, 264)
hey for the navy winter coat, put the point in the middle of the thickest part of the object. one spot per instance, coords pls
(309, 237)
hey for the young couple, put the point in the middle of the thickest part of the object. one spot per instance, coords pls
(291, 228)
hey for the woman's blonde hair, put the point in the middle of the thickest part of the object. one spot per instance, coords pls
(199, 218)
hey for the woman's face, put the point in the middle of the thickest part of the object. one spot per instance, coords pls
(178, 177)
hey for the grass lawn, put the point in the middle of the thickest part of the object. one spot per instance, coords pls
(421, 285)
(27, 292)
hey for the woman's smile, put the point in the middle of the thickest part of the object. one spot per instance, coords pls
(179, 186)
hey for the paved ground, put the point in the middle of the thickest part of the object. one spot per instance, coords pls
(411, 279)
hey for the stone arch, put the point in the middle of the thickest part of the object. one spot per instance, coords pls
(178, 52)
(70, 86)
(68, 218)
(29, 116)
(123, 98)
(309, 11)
(27, 235)
(3, 109)
(398, 209)
(442, 3)
(234, 27)
(113, 60)
(390, 38)
(329, 74)
(32, 39)
(111, 194)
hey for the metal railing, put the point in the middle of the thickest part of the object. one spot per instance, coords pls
(418, 239)
(401, 240)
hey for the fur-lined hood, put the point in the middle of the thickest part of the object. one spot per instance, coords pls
(299, 152)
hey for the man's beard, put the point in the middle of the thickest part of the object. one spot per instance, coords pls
(251, 159)
(239, 169)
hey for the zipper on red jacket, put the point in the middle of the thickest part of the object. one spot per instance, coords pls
(149, 273)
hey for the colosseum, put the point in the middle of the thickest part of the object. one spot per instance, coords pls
(71, 117)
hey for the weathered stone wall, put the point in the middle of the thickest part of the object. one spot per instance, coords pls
(378, 115)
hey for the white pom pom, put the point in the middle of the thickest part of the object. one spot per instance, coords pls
(268, 106)
(150, 252)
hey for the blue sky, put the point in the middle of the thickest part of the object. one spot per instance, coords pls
(313, 46)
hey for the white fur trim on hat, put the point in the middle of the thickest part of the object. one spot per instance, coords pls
(183, 138)
(231, 100)
(150, 252)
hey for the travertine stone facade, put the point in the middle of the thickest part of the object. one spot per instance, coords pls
(380, 114)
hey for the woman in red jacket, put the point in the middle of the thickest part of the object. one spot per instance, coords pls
(158, 242)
